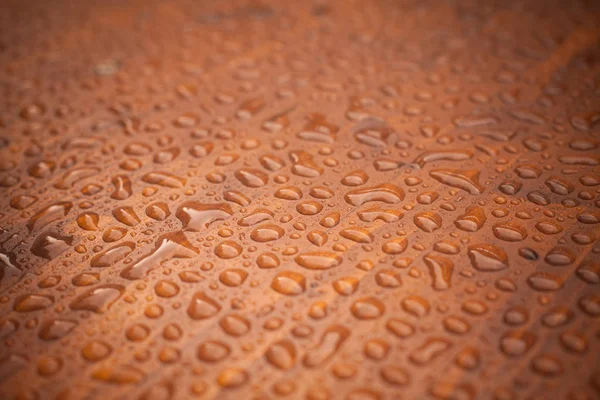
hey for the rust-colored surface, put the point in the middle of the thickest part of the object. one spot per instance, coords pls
(300, 200)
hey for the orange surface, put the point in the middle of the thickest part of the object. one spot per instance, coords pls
(300, 200)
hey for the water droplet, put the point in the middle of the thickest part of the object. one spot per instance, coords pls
(472, 220)
(202, 307)
(358, 235)
(465, 180)
(318, 260)
(487, 258)
(509, 232)
(228, 249)
(99, 299)
(56, 329)
(517, 343)
(367, 308)
(197, 216)
(266, 233)
(32, 302)
(385, 193)
(232, 378)
(289, 283)
(281, 354)
(331, 341)
(428, 221)
(213, 351)
(235, 325)
(252, 178)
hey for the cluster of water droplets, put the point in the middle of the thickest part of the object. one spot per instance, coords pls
(304, 221)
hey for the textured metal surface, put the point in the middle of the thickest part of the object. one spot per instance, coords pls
(313, 200)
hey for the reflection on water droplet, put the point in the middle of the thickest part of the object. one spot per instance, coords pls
(99, 299)
(367, 308)
(289, 283)
(228, 249)
(486, 257)
(318, 260)
(202, 307)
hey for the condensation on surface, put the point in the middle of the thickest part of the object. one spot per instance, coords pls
(316, 200)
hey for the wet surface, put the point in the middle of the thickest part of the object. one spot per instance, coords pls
(321, 200)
